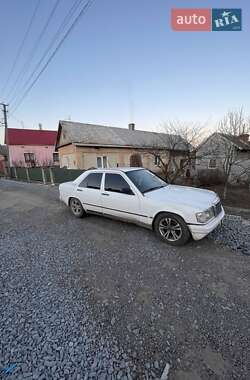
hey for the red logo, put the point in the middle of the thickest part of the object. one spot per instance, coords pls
(191, 19)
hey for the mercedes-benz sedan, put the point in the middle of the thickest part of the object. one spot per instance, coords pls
(136, 195)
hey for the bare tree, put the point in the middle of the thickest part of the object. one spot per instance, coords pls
(234, 123)
(233, 130)
(181, 140)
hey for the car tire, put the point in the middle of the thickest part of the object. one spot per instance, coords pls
(172, 229)
(76, 208)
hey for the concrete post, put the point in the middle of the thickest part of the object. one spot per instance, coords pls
(51, 176)
(43, 175)
(27, 174)
(15, 172)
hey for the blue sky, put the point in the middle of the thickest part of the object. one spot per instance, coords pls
(123, 62)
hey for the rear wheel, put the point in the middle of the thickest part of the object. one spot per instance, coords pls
(76, 207)
(172, 229)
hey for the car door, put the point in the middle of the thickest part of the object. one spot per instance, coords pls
(118, 199)
(89, 192)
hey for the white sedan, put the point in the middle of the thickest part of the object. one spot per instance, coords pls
(136, 195)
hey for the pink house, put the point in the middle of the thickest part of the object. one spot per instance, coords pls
(29, 147)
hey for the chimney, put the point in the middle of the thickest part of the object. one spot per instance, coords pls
(244, 137)
(131, 126)
(40, 127)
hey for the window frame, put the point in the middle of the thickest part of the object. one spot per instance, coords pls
(157, 158)
(29, 160)
(197, 161)
(56, 153)
(114, 191)
(92, 188)
(212, 167)
(102, 162)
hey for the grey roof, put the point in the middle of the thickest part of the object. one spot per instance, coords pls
(99, 135)
(236, 140)
(3, 150)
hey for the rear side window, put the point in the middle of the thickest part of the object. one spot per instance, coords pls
(92, 181)
(116, 183)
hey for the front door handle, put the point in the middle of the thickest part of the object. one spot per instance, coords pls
(78, 189)
(105, 194)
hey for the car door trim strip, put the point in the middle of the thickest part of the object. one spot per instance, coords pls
(113, 209)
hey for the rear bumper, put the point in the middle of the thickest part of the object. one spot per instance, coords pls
(199, 231)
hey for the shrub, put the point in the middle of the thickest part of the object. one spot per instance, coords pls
(210, 177)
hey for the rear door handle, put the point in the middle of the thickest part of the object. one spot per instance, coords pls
(105, 194)
(78, 189)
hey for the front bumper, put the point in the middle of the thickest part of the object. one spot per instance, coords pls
(199, 231)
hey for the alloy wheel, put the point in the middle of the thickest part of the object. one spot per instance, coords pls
(170, 229)
(76, 207)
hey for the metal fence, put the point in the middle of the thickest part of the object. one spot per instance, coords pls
(52, 175)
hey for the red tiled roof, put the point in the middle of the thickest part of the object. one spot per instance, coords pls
(30, 137)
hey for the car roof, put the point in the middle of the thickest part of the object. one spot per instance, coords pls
(119, 169)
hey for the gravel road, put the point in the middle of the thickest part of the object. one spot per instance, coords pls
(99, 299)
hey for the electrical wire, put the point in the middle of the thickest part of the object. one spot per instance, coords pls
(61, 28)
(33, 51)
(21, 46)
(81, 13)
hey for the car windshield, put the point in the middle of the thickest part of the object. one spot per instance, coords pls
(145, 181)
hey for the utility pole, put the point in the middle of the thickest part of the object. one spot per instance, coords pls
(6, 134)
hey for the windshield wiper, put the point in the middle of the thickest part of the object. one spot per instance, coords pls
(153, 188)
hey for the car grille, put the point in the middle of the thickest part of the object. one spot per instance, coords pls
(217, 208)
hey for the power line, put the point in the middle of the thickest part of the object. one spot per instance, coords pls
(21, 46)
(83, 10)
(61, 28)
(6, 133)
(34, 49)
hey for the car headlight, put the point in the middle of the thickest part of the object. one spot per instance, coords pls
(205, 216)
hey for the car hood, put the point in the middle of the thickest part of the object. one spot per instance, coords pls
(184, 195)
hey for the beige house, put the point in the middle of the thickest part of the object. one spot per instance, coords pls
(84, 146)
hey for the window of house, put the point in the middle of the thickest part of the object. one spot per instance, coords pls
(29, 158)
(117, 184)
(92, 181)
(212, 163)
(157, 160)
(183, 162)
(56, 157)
(198, 161)
(102, 162)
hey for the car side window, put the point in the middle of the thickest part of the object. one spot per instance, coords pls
(92, 181)
(117, 184)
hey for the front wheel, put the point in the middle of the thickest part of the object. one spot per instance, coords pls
(172, 229)
(76, 207)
